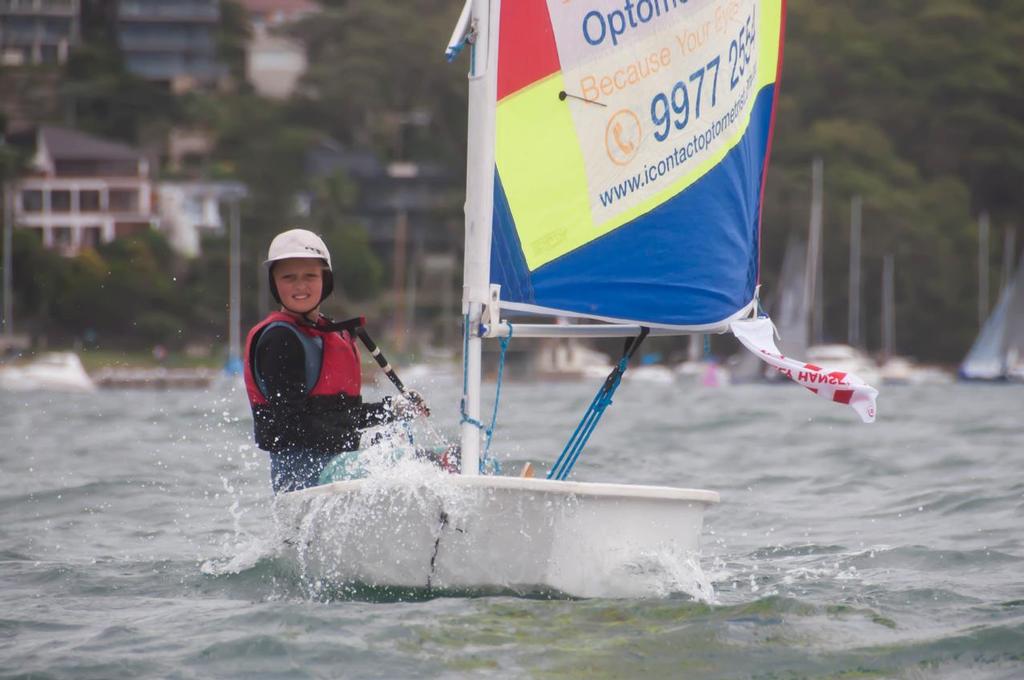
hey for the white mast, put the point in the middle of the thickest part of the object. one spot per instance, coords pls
(853, 325)
(888, 307)
(812, 281)
(234, 365)
(982, 269)
(483, 27)
(1009, 250)
(8, 279)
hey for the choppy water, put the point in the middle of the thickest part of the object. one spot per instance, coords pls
(136, 542)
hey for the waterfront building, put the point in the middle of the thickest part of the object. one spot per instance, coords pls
(38, 31)
(171, 41)
(81, 190)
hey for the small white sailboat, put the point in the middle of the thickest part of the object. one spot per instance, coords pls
(614, 175)
(998, 351)
(50, 371)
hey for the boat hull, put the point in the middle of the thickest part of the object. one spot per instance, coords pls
(458, 532)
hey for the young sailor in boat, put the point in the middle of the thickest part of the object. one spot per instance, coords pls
(302, 373)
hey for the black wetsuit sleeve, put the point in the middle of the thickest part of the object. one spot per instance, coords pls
(292, 418)
(281, 362)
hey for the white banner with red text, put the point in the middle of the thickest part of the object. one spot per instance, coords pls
(758, 336)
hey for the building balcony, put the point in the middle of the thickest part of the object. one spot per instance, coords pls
(203, 71)
(202, 44)
(33, 38)
(201, 12)
(57, 8)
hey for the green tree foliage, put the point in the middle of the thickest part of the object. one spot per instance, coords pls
(232, 38)
(357, 272)
(123, 292)
(374, 66)
(99, 95)
(917, 108)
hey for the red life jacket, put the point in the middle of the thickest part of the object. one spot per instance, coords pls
(337, 371)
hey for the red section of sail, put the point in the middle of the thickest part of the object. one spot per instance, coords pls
(526, 48)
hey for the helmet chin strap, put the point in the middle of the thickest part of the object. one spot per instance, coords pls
(315, 312)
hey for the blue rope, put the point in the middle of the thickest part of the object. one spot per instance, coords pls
(465, 376)
(581, 435)
(490, 465)
(602, 400)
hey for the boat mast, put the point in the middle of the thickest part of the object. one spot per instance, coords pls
(8, 309)
(982, 269)
(234, 363)
(888, 307)
(483, 25)
(812, 281)
(1009, 250)
(853, 325)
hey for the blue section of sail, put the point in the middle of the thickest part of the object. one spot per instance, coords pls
(508, 265)
(690, 261)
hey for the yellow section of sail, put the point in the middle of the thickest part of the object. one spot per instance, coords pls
(541, 169)
(769, 26)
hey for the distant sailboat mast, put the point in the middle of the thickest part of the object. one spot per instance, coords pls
(853, 336)
(812, 286)
(983, 254)
(233, 366)
(888, 307)
(8, 310)
(1009, 250)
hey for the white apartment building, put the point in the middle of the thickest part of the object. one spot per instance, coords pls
(38, 31)
(83, 190)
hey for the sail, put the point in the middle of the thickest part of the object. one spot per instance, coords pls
(631, 140)
(999, 348)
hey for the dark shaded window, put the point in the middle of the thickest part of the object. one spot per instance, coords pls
(124, 200)
(90, 237)
(32, 200)
(89, 201)
(60, 201)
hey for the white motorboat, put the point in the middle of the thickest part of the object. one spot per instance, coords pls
(51, 371)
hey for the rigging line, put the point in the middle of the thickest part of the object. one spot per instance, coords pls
(465, 376)
(485, 460)
(563, 94)
(581, 435)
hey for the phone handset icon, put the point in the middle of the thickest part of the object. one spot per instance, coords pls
(623, 137)
(626, 147)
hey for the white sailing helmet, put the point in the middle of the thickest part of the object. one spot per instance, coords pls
(297, 243)
(300, 243)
